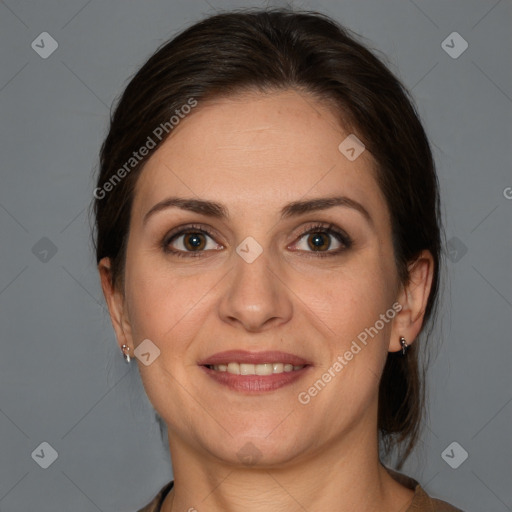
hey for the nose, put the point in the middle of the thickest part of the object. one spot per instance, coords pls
(256, 297)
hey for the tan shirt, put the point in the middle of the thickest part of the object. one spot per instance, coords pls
(421, 502)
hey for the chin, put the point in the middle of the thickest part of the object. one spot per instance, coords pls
(256, 451)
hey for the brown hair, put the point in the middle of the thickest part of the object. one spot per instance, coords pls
(268, 50)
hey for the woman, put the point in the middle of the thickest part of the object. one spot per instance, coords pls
(268, 241)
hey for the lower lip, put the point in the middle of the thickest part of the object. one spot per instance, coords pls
(255, 384)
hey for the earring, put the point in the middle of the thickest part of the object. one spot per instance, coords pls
(126, 355)
(404, 345)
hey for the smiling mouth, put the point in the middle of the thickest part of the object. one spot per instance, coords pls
(255, 372)
(255, 369)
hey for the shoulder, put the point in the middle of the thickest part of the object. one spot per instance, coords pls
(421, 501)
(155, 504)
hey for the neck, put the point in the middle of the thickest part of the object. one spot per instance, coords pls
(345, 476)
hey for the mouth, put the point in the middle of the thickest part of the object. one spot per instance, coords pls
(255, 369)
(254, 372)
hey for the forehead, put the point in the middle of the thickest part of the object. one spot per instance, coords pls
(257, 151)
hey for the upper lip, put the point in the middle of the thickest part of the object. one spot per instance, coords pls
(245, 357)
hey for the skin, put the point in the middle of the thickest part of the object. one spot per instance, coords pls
(254, 154)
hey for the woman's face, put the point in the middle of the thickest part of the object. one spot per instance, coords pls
(264, 278)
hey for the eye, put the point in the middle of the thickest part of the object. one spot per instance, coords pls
(319, 238)
(189, 240)
(194, 240)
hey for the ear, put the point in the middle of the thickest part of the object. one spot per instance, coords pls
(116, 305)
(413, 298)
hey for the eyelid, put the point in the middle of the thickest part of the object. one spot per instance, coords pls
(183, 230)
(314, 227)
(180, 230)
(331, 229)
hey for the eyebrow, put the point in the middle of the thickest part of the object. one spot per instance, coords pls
(293, 209)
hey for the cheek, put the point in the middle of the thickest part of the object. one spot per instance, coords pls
(164, 308)
(357, 342)
(163, 304)
(351, 298)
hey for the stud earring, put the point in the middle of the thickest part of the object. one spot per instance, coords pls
(126, 355)
(404, 345)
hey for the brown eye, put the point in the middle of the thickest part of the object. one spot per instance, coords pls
(194, 241)
(320, 239)
(189, 241)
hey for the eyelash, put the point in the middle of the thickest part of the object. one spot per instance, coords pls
(329, 229)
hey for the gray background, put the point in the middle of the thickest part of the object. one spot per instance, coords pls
(63, 380)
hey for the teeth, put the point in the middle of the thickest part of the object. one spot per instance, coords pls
(277, 368)
(247, 369)
(233, 368)
(255, 369)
